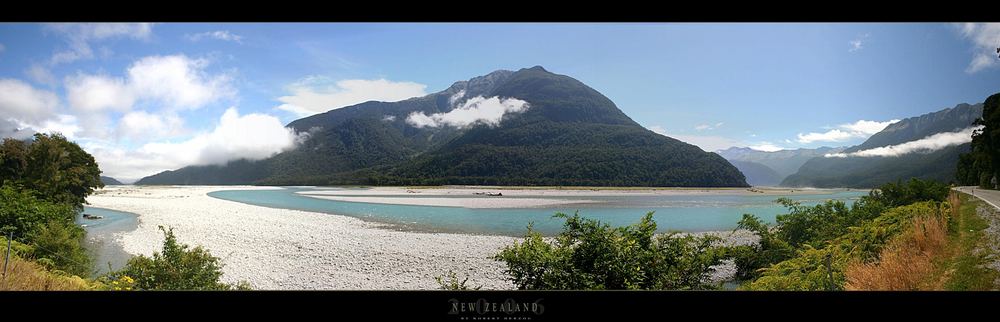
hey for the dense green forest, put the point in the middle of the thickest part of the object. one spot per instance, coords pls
(980, 166)
(570, 135)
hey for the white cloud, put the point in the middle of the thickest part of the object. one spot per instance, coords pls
(92, 93)
(705, 142)
(703, 127)
(224, 35)
(389, 118)
(858, 43)
(178, 81)
(314, 94)
(476, 110)
(175, 82)
(454, 98)
(80, 35)
(844, 132)
(985, 39)
(65, 124)
(766, 147)
(928, 144)
(22, 102)
(139, 125)
(252, 136)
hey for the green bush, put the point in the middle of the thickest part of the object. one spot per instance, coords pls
(175, 268)
(589, 254)
(62, 244)
(769, 249)
(24, 213)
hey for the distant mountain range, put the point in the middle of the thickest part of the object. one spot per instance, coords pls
(770, 168)
(525, 127)
(871, 171)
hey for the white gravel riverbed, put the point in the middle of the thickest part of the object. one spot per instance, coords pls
(289, 249)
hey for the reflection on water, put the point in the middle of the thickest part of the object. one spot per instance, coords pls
(691, 213)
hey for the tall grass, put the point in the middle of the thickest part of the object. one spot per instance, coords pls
(23, 275)
(907, 262)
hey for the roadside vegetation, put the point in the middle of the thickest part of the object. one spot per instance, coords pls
(917, 235)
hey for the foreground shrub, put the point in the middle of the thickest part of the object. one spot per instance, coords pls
(175, 268)
(61, 244)
(589, 254)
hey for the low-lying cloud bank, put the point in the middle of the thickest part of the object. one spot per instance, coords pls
(928, 144)
(478, 109)
(858, 130)
(252, 136)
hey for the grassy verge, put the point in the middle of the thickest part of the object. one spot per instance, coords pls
(953, 253)
(968, 270)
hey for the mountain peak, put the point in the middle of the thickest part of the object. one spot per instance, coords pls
(480, 85)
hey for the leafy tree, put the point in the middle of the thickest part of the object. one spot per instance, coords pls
(13, 159)
(176, 267)
(589, 254)
(981, 166)
(60, 170)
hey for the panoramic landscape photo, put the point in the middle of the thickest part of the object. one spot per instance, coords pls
(503, 156)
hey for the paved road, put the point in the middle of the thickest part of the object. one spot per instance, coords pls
(991, 197)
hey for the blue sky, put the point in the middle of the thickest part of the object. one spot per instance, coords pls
(135, 94)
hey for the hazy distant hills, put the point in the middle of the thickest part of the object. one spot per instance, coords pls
(109, 181)
(770, 168)
(554, 130)
(758, 174)
(866, 172)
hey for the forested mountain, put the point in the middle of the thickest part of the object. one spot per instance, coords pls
(554, 130)
(866, 172)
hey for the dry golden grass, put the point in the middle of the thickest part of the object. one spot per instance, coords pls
(23, 275)
(955, 200)
(907, 262)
